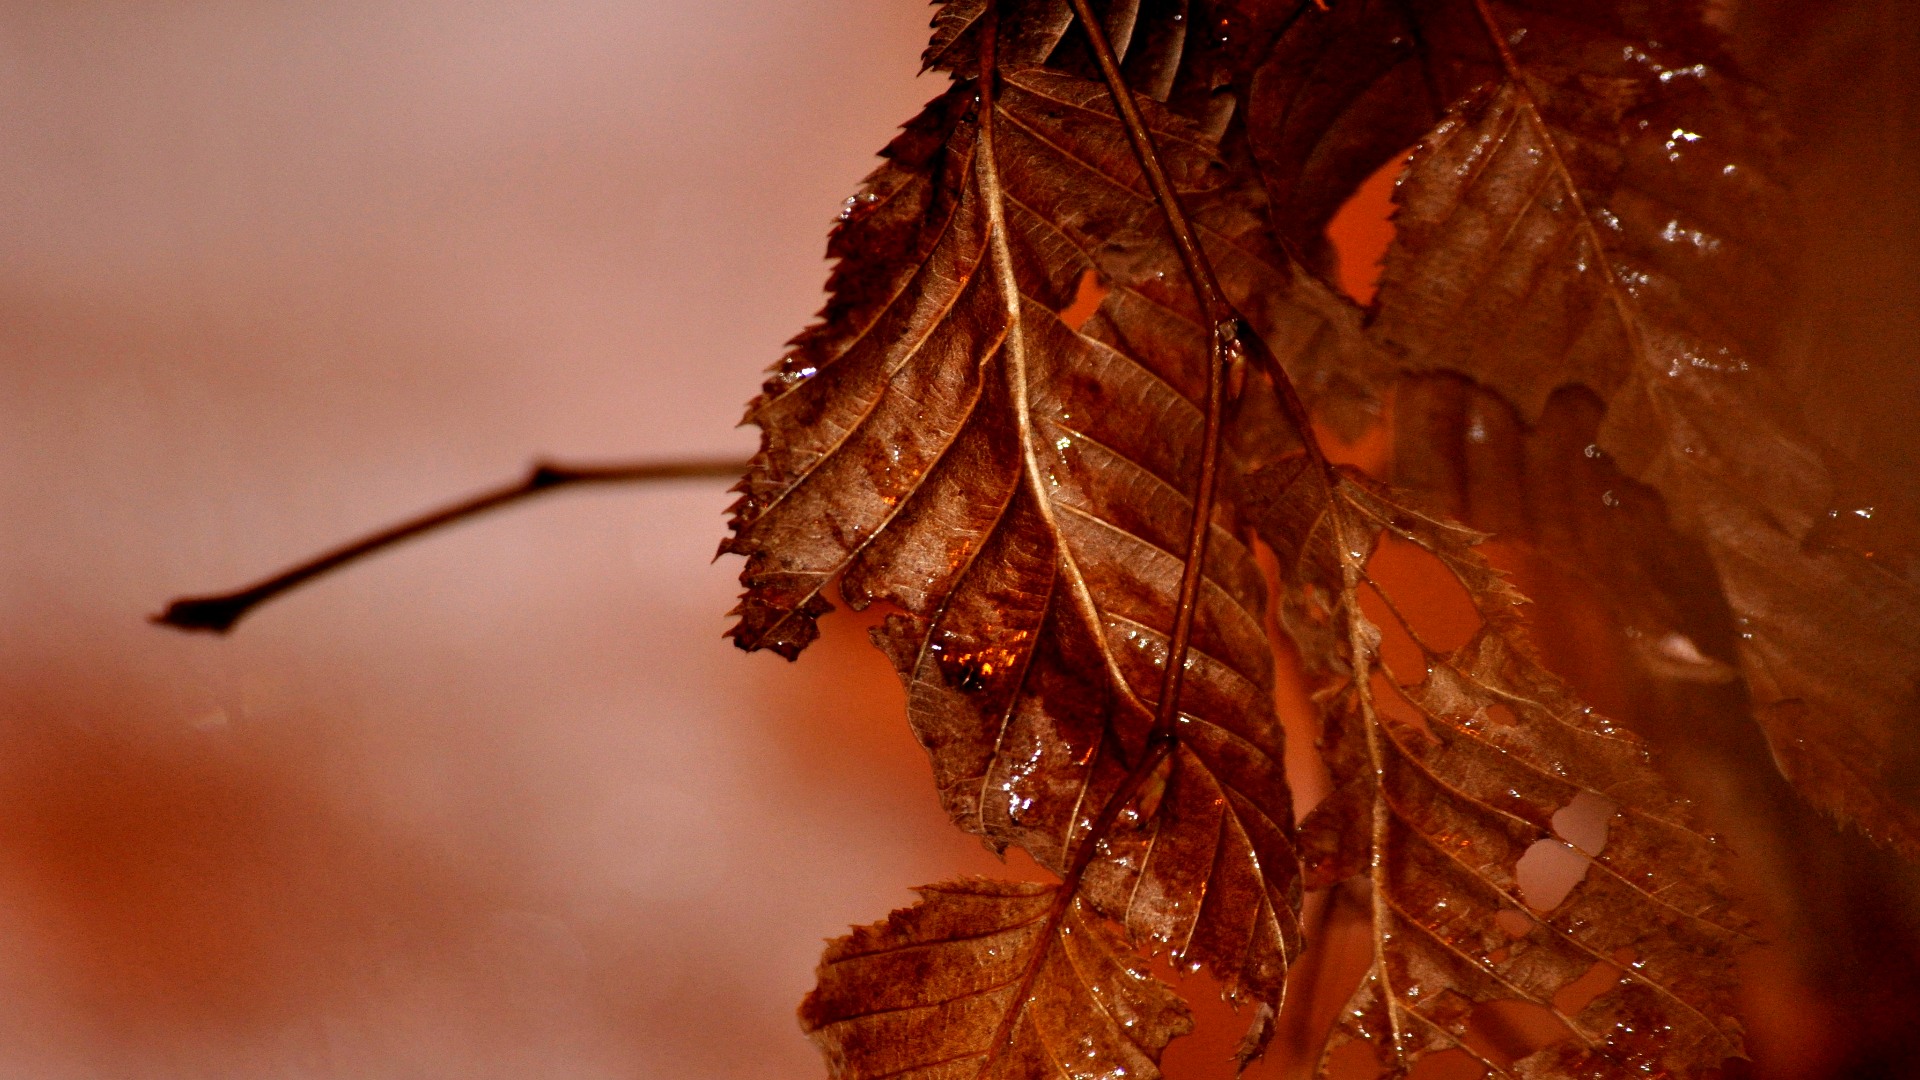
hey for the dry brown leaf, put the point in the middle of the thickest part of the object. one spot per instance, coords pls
(1020, 488)
(1603, 221)
(1341, 92)
(1020, 491)
(1448, 777)
(989, 980)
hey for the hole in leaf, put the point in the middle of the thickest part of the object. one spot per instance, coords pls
(1510, 1030)
(1448, 1065)
(1583, 991)
(1514, 922)
(1388, 703)
(1428, 594)
(1548, 872)
(1554, 865)
(1583, 822)
(1086, 300)
(1361, 230)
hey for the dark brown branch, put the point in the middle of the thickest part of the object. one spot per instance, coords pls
(218, 614)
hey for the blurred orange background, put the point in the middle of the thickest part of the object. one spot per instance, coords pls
(502, 804)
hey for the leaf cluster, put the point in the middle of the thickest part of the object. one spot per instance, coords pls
(1062, 417)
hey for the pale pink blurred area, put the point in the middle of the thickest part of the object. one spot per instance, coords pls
(502, 803)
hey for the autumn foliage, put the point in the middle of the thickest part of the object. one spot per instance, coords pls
(1066, 418)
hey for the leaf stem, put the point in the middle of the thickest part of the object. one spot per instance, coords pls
(1158, 750)
(219, 613)
(1199, 271)
(1160, 742)
(1224, 328)
(1229, 327)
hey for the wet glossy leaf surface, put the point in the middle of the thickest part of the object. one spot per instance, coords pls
(1608, 219)
(989, 979)
(1449, 779)
(1020, 489)
(997, 431)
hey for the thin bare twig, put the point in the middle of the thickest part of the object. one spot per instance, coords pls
(217, 614)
